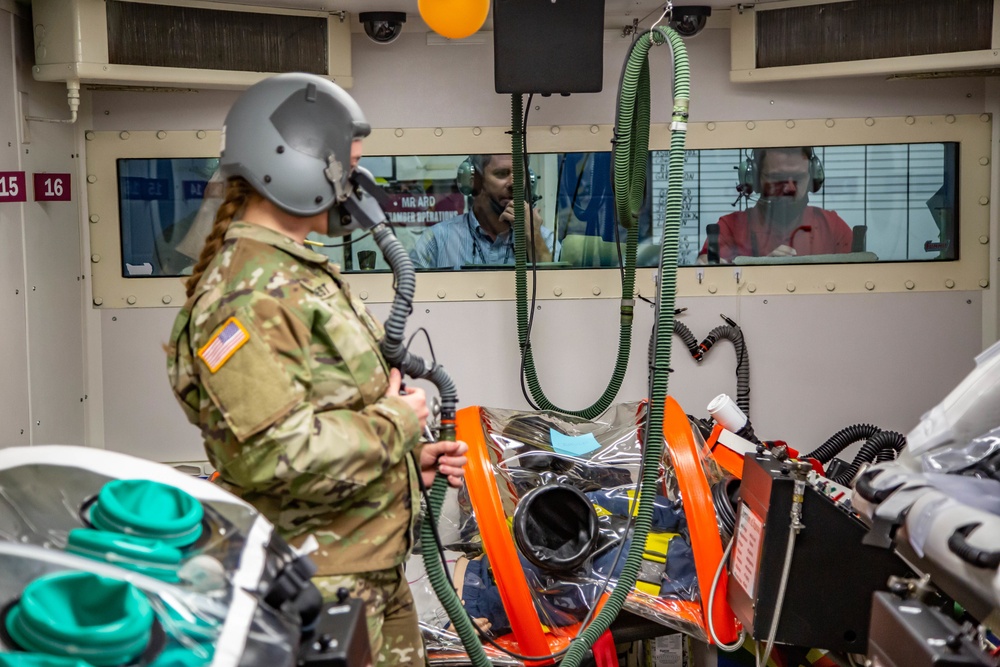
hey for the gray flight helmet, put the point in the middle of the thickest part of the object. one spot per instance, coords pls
(290, 137)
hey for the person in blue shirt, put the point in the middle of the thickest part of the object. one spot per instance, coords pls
(483, 235)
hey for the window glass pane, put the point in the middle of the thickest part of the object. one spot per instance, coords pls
(158, 205)
(423, 190)
(834, 204)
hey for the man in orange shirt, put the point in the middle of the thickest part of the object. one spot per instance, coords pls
(781, 223)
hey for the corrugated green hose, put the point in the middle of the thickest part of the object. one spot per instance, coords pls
(631, 151)
(438, 576)
(631, 186)
(666, 297)
(396, 353)
(520, 286)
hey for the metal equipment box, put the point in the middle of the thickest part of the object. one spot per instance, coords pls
(908, 633)
(828, 596)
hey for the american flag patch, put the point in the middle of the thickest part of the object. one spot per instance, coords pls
(224, 344)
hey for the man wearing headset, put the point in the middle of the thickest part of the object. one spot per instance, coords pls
(483, 235)
(781, 223)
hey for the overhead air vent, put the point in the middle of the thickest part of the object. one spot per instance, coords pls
(198, 44)
(166, 36)
(802, 40)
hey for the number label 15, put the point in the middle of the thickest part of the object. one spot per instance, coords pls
(12, 186)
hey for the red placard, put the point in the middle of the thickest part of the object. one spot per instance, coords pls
(423, 210)
(12, 186)
(53, 187)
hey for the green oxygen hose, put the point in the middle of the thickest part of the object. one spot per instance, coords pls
(630, 153)
(666, 297)
(436, 572)
(438, 577)
(636, 77)
(396, 353)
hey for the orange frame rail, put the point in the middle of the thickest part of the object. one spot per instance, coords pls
(499, 544)
(702, 521)
(497, 540)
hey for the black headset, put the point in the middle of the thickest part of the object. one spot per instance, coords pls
(749, 170)
(465, 175)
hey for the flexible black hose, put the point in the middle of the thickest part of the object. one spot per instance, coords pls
(395, 352)
(681, 329)
(734, 335)
(894, 445)
(393, 347)
(841, 440)
(722, 497)
(887, 454)
(869, 451)
(866, 454)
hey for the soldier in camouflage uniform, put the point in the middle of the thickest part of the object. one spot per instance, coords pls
(280, 365)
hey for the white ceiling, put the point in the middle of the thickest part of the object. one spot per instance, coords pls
(614, 9)
(410, 6)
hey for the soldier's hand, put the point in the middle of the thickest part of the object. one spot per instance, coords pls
(413, 396)
(445, 457)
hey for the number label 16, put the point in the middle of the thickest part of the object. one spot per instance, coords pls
(53, 187)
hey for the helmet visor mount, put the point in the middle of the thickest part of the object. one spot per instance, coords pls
(364, 207)
(334, 173)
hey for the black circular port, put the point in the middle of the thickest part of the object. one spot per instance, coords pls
(555, 527)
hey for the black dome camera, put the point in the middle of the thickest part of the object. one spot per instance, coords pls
(382, 27)
(690, 20)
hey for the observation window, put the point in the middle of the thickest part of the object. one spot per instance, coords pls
(159, 201)
(833, 204)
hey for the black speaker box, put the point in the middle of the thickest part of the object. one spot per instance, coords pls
(548, 46)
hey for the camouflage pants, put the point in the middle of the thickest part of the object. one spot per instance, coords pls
(392, 617)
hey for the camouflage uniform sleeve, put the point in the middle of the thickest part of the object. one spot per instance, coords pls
(287, 445)
(180, 367)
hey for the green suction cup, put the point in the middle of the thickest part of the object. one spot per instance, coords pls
(150, 557)
(39, 660)
(82, 615)
(148, 509)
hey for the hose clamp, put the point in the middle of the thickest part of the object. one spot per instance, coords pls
(679, 115)
(668, 13)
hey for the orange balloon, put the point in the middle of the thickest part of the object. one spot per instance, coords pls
(454, 19)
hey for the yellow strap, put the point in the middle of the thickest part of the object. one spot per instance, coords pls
(646, 587)
(656, 546)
